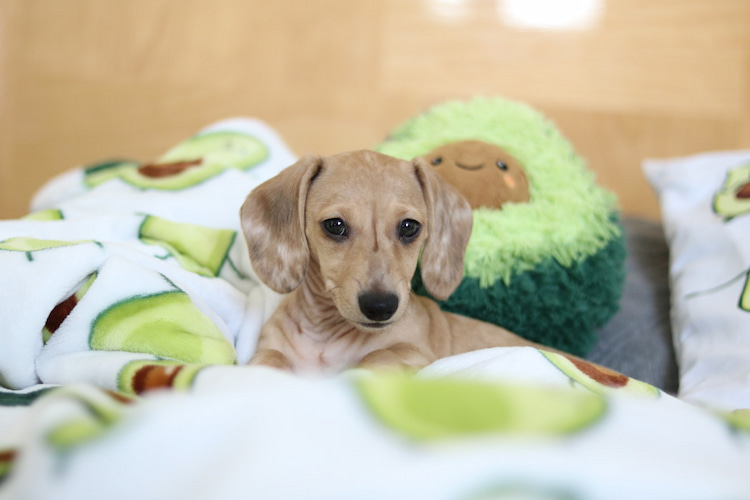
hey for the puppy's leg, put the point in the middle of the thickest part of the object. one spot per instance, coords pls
(400, 355)
(272, 358)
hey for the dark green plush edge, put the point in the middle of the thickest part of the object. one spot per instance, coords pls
(557, 306)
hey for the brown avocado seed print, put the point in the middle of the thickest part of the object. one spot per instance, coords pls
(155, 377)
(158, 170)
(485, 174)
(743, 192)
(600, 374)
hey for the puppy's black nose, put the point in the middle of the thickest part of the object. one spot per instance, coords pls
(378, 306)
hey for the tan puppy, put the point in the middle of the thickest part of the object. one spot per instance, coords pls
(342, 235)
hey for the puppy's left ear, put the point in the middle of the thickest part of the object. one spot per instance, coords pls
(448, 232)
(273, 221)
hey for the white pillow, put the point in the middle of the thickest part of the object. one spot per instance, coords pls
(708, 230)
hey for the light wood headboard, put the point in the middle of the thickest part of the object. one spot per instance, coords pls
(84, 80)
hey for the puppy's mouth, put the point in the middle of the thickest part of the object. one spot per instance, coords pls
(375, 325)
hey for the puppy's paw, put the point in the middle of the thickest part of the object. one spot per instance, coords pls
(271, 358)
(402, 357)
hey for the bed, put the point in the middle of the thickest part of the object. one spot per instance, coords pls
(93, 405)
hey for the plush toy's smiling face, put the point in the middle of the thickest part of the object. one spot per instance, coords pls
(486, 175)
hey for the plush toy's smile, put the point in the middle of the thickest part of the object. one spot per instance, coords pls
(469, 167)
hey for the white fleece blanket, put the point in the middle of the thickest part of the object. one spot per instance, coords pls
(164, 250)
(127, 302)
(494, 424)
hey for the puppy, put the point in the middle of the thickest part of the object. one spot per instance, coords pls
(342, 236)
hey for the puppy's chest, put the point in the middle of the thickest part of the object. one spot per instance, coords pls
(312, 352)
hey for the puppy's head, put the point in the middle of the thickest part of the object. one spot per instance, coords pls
(353, 225)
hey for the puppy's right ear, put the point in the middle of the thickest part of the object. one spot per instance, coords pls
(273, 221)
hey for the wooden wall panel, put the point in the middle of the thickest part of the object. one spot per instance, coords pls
(82, 80)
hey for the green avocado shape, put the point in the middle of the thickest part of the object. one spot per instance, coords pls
(199, 249)
(99, 411)
(733, 198)
(739, 419)
(745, 297)
(139, 376)
(105, 171)
(597, 378)
(49, 214)
(25, 244)
(187, 164)
(445, 408)
(167, 325)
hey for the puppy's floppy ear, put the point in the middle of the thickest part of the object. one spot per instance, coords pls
(448, 232)
(273, 221)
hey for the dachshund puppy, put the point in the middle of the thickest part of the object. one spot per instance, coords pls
(342, 236)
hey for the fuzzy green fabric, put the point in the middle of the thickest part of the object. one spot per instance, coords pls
(553, 305)
(552, 269)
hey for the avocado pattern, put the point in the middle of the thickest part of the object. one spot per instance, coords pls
(165, 324)
(429, 409)
(598, 379)
(30, 245)
(745, 297)
(474, 440)
(97, 412)
(61, 311)
(136, 313)
(138, 377)
(739, 420)
(45, 215)
(730, 201)
(199, 249)
(7, 456)
(733, 199)
(186, 165)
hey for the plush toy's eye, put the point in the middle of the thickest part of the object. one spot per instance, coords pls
(437, 161)
(408, 230)
(501, 165)
(335, 228)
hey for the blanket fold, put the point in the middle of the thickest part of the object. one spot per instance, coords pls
(126, 261)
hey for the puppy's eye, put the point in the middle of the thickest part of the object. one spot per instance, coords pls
(437, 161)
(501, 165)
(408, 230)
(335, 228)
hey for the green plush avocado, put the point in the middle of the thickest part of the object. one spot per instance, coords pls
(187, 164)
(734, 197)
(550, 268)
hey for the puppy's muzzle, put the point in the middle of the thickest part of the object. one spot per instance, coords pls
(378, 306)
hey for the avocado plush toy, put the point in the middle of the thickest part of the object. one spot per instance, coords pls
(546, 255)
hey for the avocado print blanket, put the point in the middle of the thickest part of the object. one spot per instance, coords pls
(493, 424)
(128, 308)
(123, 262)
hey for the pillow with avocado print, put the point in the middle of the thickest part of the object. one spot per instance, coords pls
(705, 202)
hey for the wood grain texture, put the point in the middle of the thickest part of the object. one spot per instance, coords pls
(84, 80)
